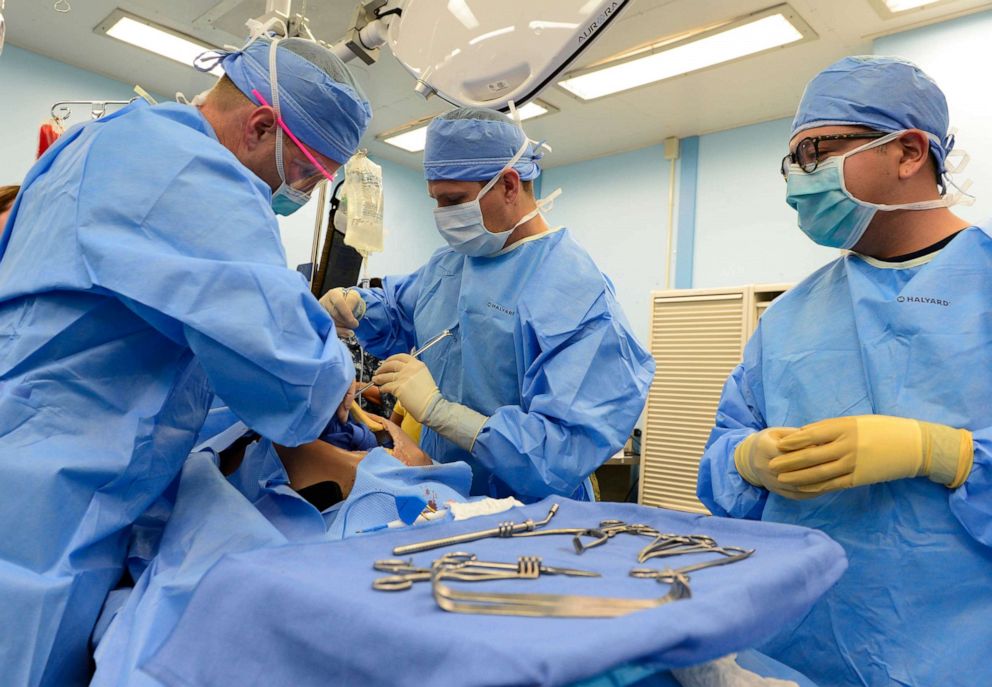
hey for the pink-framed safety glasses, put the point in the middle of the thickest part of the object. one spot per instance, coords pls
(299, 144)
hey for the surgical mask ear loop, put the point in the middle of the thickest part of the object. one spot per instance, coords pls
(274, 87)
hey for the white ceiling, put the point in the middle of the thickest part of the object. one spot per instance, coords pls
(754, 89)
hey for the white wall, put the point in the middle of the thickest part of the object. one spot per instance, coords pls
(617, 208)
(956, 55)
(745, 232)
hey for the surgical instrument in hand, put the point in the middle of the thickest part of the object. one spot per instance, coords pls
(415, 354)
(504, 529)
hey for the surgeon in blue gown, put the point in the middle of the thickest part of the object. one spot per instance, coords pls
(541, 380)
(862, 406)
(141, 273)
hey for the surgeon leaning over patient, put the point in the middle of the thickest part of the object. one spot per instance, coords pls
(142, 271)
(542, 379)
(862, 407)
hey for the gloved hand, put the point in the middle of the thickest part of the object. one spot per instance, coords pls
(409, 380)
(412, 383)
(752, 458)
(848, 452)
(346, 307)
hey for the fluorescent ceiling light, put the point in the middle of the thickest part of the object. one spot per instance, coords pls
(413, 140)
(157, 40)
(747, 38)
(903, 5)
(531, 110)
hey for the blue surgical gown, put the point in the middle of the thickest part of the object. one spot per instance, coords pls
(141, 272)
(912, 340)
(539, 344)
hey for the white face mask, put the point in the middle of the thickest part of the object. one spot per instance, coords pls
(463, 226)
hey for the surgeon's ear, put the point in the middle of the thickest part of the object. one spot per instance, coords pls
(258, 125)
(915, 147)
(511, 185)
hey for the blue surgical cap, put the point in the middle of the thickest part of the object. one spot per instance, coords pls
(318, 98)
(882, 93)
(475, 144)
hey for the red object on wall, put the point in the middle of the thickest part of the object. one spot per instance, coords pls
(48, 134)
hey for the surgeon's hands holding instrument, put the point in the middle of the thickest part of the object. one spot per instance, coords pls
(413, 384)
(844, 452)
(346, 307)
(753, 458)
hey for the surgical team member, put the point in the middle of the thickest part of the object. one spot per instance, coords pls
(862, 407)
(142, 271)
(542, 379)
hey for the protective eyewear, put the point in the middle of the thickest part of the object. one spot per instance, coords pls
(313, 160)
(807, 153)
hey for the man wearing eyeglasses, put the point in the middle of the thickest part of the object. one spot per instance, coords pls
(141, 273)
(862, 406)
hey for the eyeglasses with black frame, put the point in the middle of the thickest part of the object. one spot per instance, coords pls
(807, 154)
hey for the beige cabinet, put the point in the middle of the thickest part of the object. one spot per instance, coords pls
(697, 338)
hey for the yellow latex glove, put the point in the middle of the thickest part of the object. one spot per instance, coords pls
(409, 380)
(346, 307)
(752, 458)
(366, 419)
(848, 452)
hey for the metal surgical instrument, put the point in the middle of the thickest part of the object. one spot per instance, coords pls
(545, 605)
(731, 554)
(504, 529)
(600, 535)
(466, 568)
(415, 354)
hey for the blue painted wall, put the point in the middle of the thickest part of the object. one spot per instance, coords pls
(956, 54)
(617, 208)
(745, 233)
(33, 83)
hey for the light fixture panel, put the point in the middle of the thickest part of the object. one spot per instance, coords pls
(139, 32)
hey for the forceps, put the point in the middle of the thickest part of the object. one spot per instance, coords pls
(731, 554)
(415, 354)
(466, 567)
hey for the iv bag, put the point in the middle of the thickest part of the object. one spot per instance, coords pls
(363, 189)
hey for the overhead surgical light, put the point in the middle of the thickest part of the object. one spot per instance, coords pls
(413, 136)
(772, 28)
(144, 34)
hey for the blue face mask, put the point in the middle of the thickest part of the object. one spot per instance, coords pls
(828, 213)
(287, 200)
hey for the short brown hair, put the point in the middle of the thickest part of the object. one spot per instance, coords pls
(226, 96)
(7, 196)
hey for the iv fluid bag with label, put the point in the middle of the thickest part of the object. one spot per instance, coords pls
(363, 189)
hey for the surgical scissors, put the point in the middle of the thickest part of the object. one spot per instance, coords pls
(466, 567)
(415, 354)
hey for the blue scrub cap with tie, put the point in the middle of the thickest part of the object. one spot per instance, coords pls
(882, 93)
(475, 144)
(319, 99)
